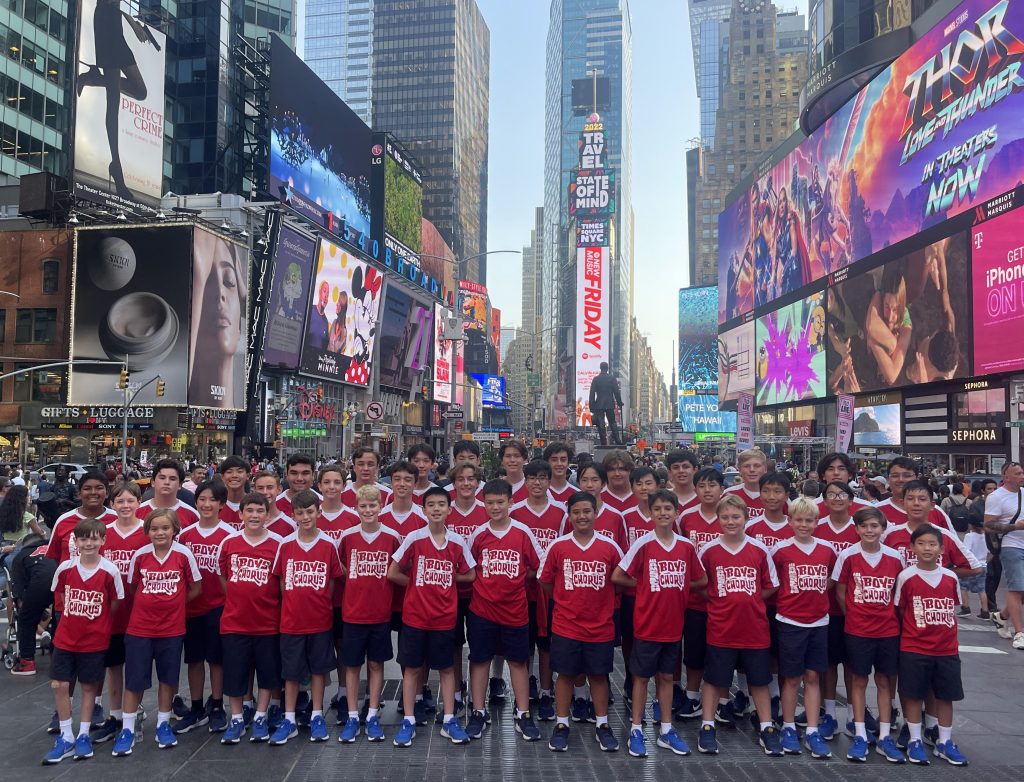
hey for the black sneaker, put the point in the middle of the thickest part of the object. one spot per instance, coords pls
(179, 708)
(606, 739)
(498, 690)
(534, 689)
(428, 700)
(108, 731)
(194, 719)
(527, 728)
(559, 741)
(771, 742)
(476, 725)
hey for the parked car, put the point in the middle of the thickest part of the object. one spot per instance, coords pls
(75, 471)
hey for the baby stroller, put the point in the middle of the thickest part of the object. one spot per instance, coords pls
(28, 581)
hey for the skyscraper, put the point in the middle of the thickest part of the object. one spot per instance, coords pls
(431, 70)
(584, 37)
(706, 19)
(338, 42)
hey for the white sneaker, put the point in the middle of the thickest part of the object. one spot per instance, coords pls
(1018, 641)
(998, 619)
(1005, 631)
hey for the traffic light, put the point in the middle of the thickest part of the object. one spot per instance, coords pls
(123, 381)
(161, 386)
(425, 390)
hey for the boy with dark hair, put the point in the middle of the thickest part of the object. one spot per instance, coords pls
(918, 505)
(308, 568)
(644, 482)
(269, 485)
(168, 475)
(465, 452)
(682, 466)
(365, 466)
(429, 564)
(558, 455)
(513, 456)
(661, 567)
(422, 457)
(618, 465)
(299, 474)
(839, 467)
(752, 464)
(92, 491)
(234, 472)
(903, 470)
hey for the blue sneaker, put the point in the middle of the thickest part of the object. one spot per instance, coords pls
(827, 727)
(817, 746)
(917, 754)
(931, 735)
(689, 708)
(405, 734)
(62, 748)
(707, 741)
(903, 738)
(275, 716)
(637, 744)
(858, 751)
(218, 720)
(194, 719)
(546, 708)
(674, 742)
(527, 728)
(374, 731)
(350, 731)
(107, 731)
(606, 739)
(233, 733)
(248, 714)
(454, 732)
(946, 750)
(791, 741)
(124, 744)
(725, 714)
(477, 723)
(579, 710)
(740, 703)
(260, 730)
(887, 748)
(285, 731)
(771, 742)
(165, 738)
(559, 741)
(83, 747)
(318, 728)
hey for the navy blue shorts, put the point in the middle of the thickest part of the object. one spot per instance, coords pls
(773, 632)
(305, 655)
(202, 638)
(337, 624)
(242, 653)
(460, 620)
(881, 654)
(722, 661)
(488, 639)
(651, 657)
(626, 609)
(433, 648)
(85, 667)
(115, 652)
(801, 649)
(836, 640)
(570, 657)
(141, 653)
(695, 639)
(366, 642)
(538, 641)
(920, 673)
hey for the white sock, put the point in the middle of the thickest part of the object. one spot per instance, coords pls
(117, 714)
(236, 717)
(773, 687)
(860, 730)
(99, 699)
(519, 713)
(65, 731)
(812, 730)
(371, 713)
(830, 708)
(290, 716)
(765, 725)
(353, 715)
(915, 730)
(722, 701)
(634, 726)
(945, 734)
(930, 721)
(251, 704)
(789, 725)
(129, 722)
(665, 727)
(162, 717)
(562, 721)
(448, 717)
(410, 721)
(544, 693)
(260, 715)
(419, 697)
(458, 696)
(83, 728)
(602, 720)
(693, 695)
(884, 728)
(707, 724)
(316, 713)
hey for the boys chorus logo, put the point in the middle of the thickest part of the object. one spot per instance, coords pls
(497, 562)
(121, 557)
(368, 564)
(160, 582)
(872, 589)
(701, 539)
(545, 537)
(300, 574)
(250, 570)
(433, 572)
(934, 611)
(82, 602)
(808, 578)
(735, 579)
(206, 556)
(583, 575)
(666, 575)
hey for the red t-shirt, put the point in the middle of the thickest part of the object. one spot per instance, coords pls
(755, 507)
(954, 555)
(855, 505)
(205, 547)
(307, 572)
(519, 492)
(187, 515)
(546, 526)
(252, 604)
(562, 495)
(584, 594)
(62, 546)
(119, 549)
(348, 496)
(431, 600)
(334, 524)
(366, 599)
(767, 532)
(663, 575)
(465, 524)
(88, 597)
(284, 502)
(870, 580)
(804, 588)
(638, 524)
(927, 600)
(403, 523)
(283, 526)
(502, 561)
(161, 591)
(898, 516)
(736, 611)
(840, 540)
(417, 494)
(700, 531)
(609, 522)
(622, 504)
(231, 514)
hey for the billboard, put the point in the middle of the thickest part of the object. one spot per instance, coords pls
(592, 187)
(398, 199)
(475, 305)
(341, 319)
(593, 232)
(496, 334)
(319, 148)
(790, 360)
(903, 323)
(876, 420)
(220, 293)
(698, 337)
(438, 260)
(119, 112)
(442, 357)
(932, 135)
(700, 413)
(493, 390)
(131, 298)
(406, 330)
(592, 317)
(736, 362)
(997, 271)
(293, 268)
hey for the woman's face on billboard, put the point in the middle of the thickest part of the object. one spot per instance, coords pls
(222, 297)
(891, 309)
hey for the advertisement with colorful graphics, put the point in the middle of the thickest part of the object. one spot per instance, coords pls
(736, 362)
(592, 317)
(936, 133)
(997, 263)
(700, 413)
(442, 357)
(791, 352)
(293, 266)
(698, 337)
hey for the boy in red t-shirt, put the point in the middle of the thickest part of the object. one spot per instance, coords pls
(498, 622)
(741, 576)
(278, 521)
(365, 465)
(202, 617)
(803, 565)
(661, 567)
(752, 464)
(558, 455)
(90, 586)
(919, 506)
(250, 620)
(92, 491)
(638, 522)
(163, 577)
(513, 456)
(234, 473)
(422, 457)
(429, 564)
(308, 568)
(682, 466)
(618, 466)
(168, 475)
(927, 596)
(366, 551)
(577, 573)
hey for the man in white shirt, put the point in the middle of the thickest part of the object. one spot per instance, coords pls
(1004, 515)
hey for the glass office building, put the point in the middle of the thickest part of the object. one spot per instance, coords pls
(338, 46)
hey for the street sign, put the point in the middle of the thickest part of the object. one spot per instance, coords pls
(459, 426)
(453, 415)
(374, 411)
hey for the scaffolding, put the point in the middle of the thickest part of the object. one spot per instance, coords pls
(253, 63)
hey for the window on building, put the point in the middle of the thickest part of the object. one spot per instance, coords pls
(42, 386)
(51, 275)
(977, 412)
(36, 325)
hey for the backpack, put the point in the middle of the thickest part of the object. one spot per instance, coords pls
(959, 514)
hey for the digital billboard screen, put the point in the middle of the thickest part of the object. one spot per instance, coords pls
(293, 270)
(876, 425)
(933, 135)
(736, 362)
(790, 360)
(903, 323)
(406, 331)
(319, 148)
(698, 340)
(493, 390)
(442, 357)
(997, 270)
(592, 317)
(700, 413)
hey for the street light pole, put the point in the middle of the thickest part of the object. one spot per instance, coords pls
(124, 421)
